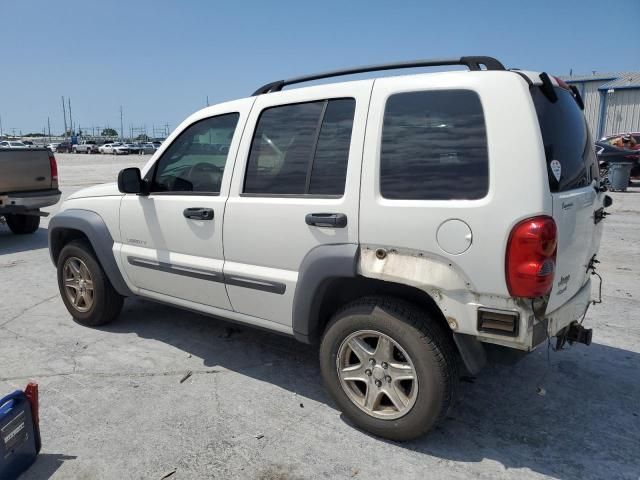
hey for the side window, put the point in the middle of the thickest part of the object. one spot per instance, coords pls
(434, 146)
(195, 161)
(301, 149)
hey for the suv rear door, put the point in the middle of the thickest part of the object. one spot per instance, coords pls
(300, 154)
(573, 180)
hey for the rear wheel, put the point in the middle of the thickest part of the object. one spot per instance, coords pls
(85, 289)
(23, 224)
(390, 368)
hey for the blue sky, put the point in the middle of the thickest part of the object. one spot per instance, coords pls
(160, 59)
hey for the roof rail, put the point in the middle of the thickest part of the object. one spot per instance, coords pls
(473, 63)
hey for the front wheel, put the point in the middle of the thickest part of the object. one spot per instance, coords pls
(85, 289)
(390, 368)
(22, 224)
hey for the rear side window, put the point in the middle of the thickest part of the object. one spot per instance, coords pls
(566, 139)
(301, 149)
(434, 146)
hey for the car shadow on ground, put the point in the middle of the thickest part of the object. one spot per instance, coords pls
(11, 243)
(46, 465)
(568, 414)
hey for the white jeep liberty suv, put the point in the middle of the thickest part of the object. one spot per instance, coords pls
(410, 225)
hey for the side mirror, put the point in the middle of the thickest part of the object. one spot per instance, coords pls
(130, 181)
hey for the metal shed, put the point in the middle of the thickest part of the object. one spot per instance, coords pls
(611, 101)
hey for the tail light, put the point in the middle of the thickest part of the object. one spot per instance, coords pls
(531, 257)
(54, 167)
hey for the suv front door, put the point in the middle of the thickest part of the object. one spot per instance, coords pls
(172, 238)
(301, 155)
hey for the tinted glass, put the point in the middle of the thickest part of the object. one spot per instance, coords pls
(566, 139)
(282, 149)
(301, 149)
(329, 169)
(195, 161)
(434, 146)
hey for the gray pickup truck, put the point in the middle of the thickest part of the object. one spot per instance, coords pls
(28, 182)
(85, 146)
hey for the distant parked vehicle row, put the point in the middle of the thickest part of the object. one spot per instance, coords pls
(91, 146)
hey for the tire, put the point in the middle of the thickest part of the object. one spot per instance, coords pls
(422, 349)
(105, 304)
(22, 224)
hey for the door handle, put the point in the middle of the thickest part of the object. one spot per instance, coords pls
(198, 213)
(334, 220)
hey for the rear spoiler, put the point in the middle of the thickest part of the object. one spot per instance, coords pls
(547, 88)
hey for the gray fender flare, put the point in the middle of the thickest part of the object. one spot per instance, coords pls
(93, 227)
(318, 268)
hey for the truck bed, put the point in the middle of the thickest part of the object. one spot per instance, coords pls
(23, 170)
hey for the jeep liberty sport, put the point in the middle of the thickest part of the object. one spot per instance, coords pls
(409, 225)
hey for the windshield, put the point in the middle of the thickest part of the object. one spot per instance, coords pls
(569, 151)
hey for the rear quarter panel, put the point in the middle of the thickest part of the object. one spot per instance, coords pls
(517, 184)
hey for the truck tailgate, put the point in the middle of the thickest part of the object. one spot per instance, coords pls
(24, 170)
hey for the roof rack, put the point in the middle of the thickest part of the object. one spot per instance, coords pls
(473, 63)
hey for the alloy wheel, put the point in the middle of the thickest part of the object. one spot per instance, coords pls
(78, 284)
(377, 374)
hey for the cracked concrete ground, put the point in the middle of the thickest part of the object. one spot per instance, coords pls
(112, 405)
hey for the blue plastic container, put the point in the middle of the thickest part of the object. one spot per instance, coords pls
(17, 436)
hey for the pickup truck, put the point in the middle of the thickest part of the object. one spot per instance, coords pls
(28, 182)
(85, 146)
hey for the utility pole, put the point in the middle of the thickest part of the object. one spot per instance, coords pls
(121, 127)
(64, 115)
(49, 128)
(207, 100)
(1, 126)
(70, 121)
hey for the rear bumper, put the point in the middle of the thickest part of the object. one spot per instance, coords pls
(562, 317)
(20, 201)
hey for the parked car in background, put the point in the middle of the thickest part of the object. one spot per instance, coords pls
(64, 147)
(633, 138)
(29, 144)
(12, 144)
(85, 146)
(133, 147)
(147, 148)
(28, 182)
(114, 149)
(52, 146)
(609, 153)
(620, 148)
